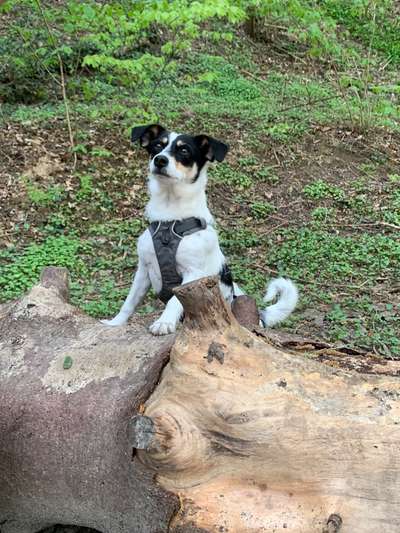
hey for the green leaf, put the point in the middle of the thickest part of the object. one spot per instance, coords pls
(67, 363)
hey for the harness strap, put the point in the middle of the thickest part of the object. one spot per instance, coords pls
(166, 239)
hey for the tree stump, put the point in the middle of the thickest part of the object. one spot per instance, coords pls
(98, 430)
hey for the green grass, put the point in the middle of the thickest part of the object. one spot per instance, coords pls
(338, 272)
(21, 269)
(356, 260)
(354, 265)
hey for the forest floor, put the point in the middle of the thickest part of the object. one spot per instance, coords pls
(310, 188)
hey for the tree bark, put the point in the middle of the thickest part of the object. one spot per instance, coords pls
(98, 430)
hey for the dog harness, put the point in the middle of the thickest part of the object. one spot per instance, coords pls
(166, 238)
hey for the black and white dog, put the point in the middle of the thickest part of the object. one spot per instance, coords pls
(181, 244)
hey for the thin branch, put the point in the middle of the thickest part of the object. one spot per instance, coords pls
(367, 224)
(307, 104)
(295, 106)
(381, 223)
(67, 115)
(62, 78)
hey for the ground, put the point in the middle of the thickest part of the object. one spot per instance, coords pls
(310, 188)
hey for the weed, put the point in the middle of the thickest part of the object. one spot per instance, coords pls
(41, 196)
(86, 187)
(261, 210)
(225, 174)
(238, 241)
(348, 260)
(321, 190)
(394, 178)
(98, 151)
(322, 214)
(339, 323)
(391, 212)
(80, 148)
(285, 131)
(375, 23)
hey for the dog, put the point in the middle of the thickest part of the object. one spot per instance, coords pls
(181, 243)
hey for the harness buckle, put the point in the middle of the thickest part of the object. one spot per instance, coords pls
(165, 231)
(165, 237)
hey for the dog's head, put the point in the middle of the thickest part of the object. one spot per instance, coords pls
(177, 157)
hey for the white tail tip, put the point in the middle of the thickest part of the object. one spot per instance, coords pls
(288, 297)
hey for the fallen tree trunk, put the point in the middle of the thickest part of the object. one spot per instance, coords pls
(255, 439)
(241, 436)
(68, 388)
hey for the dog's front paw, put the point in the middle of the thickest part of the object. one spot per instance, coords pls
(162, 328)
(117, 321)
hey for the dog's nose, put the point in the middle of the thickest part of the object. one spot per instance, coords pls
(160, 161)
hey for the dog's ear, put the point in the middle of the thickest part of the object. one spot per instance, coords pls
(211, 148)
(146, 134)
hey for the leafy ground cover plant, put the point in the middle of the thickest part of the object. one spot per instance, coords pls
(308, 103)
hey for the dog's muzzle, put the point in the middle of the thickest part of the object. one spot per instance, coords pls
(160, 162)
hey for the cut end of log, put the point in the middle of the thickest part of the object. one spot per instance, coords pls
(56, 278)
(204, 306)
(50, 297)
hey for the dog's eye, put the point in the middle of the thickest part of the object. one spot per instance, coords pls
(183, 150)
(157, 147)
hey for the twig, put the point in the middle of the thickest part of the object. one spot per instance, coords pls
(62, 78)
(306, 104)
(388, 224)
(295, 106)
(279, 49)
(358, 226)
(277, 158)
(271, 230)
(64, 93)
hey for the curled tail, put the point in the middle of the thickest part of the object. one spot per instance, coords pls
(288, 296)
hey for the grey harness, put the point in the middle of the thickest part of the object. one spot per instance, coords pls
(166, 238)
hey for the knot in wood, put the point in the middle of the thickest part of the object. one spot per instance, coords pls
(216, 351)
(333, 524)
(169, 440)
(141, 432)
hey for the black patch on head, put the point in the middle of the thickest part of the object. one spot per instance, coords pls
(147, 134)
(199, 150)
(212, 149)
(225, 275)
(185, 151)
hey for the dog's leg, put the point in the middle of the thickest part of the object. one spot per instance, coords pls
(140, 285)
(237, 290)
(173, 310)
(169, 318)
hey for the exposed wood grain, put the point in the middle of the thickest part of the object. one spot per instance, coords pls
(271, 441)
